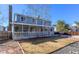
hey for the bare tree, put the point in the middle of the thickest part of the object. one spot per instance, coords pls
(0, 19)
(39, 10)
(0, 13)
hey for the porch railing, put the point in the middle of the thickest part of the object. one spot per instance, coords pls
(24, 35)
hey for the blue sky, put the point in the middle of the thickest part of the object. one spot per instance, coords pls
(67, 12)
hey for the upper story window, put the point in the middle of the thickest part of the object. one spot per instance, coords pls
(17, 18)
(22, 18)
(39, 22)
(29, 20)
(48, 23)
(45, 22)
(34, 21)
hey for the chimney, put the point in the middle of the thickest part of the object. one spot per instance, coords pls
(10, 18)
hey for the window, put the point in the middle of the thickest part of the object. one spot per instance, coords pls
(45, 23)
(31, 29)
(18, 18)
(33, 20)
(51, 30)
(39, 22)
(46, 29)
(22, 18)
(29, 20)
(16, 29)
(25, 28)
(41, 29)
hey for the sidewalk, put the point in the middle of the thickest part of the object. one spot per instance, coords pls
(70, 49)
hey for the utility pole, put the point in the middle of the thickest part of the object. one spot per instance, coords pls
(10, 21)
(10, 18)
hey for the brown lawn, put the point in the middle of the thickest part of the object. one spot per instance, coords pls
(45, 45)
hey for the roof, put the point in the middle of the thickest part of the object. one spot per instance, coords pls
(74, 25)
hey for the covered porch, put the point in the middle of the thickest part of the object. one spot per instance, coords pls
(30, 31)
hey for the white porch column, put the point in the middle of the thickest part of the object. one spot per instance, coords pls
(48, 29)
(28, 31)
(43, 31)
(13, 29)
(22, 28)
(36, 21)
(21, 34)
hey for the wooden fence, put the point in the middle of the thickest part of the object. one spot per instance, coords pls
(74, 33)
(4, 35)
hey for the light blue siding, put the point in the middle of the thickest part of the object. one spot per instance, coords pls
(39, 22)
(31, 20)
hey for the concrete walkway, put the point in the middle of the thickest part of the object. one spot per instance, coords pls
(9, 47)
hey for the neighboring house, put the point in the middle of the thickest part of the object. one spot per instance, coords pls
(24, 27)
(74, 28)
(2, 28)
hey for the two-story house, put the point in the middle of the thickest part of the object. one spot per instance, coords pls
(24, 27)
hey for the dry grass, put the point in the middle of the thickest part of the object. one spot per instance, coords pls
(45, 45)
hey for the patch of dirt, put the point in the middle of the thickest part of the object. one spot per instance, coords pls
(46, 46)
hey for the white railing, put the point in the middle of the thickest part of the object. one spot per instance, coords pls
(24, 35)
